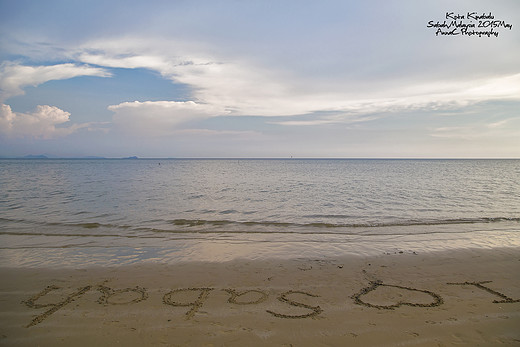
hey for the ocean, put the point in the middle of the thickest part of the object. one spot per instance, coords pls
(79, 212)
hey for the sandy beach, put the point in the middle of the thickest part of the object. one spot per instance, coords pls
(468, 298)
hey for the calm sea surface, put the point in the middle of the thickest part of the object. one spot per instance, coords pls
(109, 212)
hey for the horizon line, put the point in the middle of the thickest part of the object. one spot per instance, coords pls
(51, 157)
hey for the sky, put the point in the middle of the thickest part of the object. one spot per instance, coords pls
(223, 78)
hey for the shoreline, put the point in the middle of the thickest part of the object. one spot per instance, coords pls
(466, 297)
(84, 248)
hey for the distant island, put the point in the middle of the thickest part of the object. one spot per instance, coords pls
(39, 156)
(43, 156)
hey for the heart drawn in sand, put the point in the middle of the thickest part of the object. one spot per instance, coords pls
(436, 299)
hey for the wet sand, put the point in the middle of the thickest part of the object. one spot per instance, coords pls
(466, 298)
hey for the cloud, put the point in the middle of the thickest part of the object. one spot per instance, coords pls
(329, 119)
(501, 123)
(14, 77)
(42, 123)
(243, 87)
(248, 134)
(494, 130)
(236, 86)
(159, 118)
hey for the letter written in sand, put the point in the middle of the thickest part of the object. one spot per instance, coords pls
(195, 305)
(246, 294)
(316, 310)
(53, 307)
(121, 296)
(505, 299)
(437, 300)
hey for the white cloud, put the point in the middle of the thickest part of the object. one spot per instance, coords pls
(126, 61)
(159, 118)
(304, 122)
(248, 134)
(221, 85)
(245, 88)
(236, 86)
(329, 119)
(42, 123)
(14, 77)
(501, 123)
(495, 130)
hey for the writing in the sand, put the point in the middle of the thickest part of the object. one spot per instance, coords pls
(296, 302)
(469, 24)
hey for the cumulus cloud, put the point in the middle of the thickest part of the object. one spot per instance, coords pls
(158, 118)
(42, 123)
(242, 87)
(14, 77)
(236, 86)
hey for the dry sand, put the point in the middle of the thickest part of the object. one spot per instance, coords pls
(466, 298)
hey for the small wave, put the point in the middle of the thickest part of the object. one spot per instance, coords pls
(89, 225)
(202, 222)
(228, 226)
(228, 211)
(84, 225)
(199, 222)
(70, 234)
(197, 196)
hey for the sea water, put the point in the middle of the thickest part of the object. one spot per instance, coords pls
(61, 212)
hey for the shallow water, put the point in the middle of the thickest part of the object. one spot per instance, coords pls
(100, 212)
